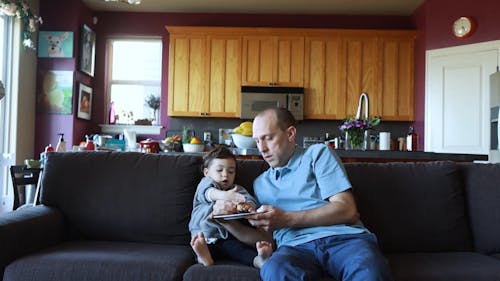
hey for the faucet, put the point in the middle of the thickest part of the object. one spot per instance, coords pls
(363, 97)
(366, 135)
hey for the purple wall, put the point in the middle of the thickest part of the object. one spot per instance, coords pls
(153, 24)
(49, 125)
(439, 23)
(433, 21)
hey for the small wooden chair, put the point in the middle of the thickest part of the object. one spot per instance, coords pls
(21, 177)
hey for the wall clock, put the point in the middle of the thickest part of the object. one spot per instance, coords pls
(463, 27)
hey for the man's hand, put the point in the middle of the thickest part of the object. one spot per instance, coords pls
(341, 209)
(271, 219)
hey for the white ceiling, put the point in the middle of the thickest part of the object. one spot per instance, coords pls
(344, 7)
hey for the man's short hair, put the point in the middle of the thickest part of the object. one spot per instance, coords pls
(284, 117)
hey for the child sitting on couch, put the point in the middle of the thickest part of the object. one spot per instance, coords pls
(210, 239)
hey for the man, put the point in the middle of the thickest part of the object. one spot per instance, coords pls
(309, 206)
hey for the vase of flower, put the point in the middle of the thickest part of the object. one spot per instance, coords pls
(354, 140)
(356, 132)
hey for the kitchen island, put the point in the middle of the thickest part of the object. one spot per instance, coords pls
(380, 156)
(405, 156)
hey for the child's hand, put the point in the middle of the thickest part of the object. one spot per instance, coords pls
(223, 207)
(233, 195)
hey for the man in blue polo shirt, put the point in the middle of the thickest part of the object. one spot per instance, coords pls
(309, 206)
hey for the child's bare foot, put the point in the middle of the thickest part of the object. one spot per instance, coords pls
(200, 247)
(264, 250)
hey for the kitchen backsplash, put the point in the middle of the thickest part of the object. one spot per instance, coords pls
(314, 128)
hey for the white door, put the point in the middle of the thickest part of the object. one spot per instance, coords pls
(457, 98)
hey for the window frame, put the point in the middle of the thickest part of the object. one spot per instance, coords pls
(6, 105)
(109, 69)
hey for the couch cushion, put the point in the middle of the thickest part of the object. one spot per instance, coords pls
(412, 207)
(483, 199)
(124, 196)
(110, 261)
(456, 266)
(222, 271)
(248, 170)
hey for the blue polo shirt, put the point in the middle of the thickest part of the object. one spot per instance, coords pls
(306, 182)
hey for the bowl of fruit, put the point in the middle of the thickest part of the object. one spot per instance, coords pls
(194, 145)
(242, 136)
(172, 143)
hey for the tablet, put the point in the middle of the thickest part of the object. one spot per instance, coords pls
(235, 216)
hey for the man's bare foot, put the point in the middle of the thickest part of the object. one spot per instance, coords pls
(200, 247)
(264, 250)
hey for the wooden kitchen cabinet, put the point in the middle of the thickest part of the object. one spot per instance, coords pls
(396, 82)
(224, 75)
(273, 60)
(324, 78)
(361, 58)
(204, 73)
(338, 68)
(340, 65)
(208, 66)
(187, 75)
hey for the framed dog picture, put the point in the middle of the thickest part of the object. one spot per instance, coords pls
(55, 44)
(87, 50)
(84, 102)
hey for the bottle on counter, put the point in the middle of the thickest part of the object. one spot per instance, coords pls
(89, 144)
(112, 113)
(329, 141)
(412, 140)
(61, 144)
(43, 156)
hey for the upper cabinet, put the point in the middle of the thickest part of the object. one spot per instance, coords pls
(204, 73)
(187, 75)
(208, 66)
(325, 78)
(273, 60)
(341, 64)
(224, 75)
(396, 84)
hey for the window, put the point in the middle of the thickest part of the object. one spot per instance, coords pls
(6, 28)
(134, 73)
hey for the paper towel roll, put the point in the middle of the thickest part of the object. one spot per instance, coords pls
(384, 141)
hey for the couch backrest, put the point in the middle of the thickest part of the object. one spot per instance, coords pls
(123, 196)
(412, 207)
(482, 187)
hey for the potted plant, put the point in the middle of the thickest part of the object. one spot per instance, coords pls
(153, 102)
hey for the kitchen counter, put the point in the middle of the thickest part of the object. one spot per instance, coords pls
(405, 156)
(384, 156)
(377, 156)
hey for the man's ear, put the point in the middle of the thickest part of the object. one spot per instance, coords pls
(205, 171)
(291, 133)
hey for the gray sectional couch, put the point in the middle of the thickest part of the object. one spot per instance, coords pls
(123, 216)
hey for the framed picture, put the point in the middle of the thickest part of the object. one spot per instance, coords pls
(55, 92)
(84, 102)
(55, 44)
(87, 50)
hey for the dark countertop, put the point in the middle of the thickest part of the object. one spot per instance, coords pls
(407, 156)
(388, 155)
(377, 155)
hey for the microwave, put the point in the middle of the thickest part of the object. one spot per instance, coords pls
(254, 99)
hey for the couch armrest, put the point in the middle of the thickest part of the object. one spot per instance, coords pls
(28, 230)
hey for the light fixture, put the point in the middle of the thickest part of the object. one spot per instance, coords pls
(131, 2)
